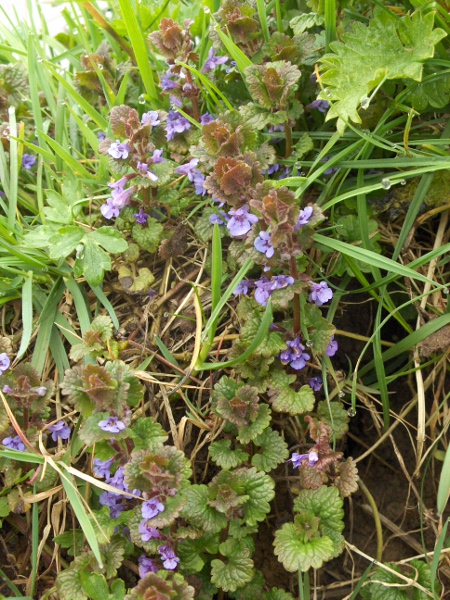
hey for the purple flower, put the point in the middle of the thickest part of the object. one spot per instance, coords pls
(279, 282)
(213, 61)
(206, 118)
(119, 185)
(170, 560)
(263, 290)
(28, 160)
(101, 135)
(60, 430)
(243, 287)
(40, 391)
(241, 221)
(118, 480)
(295, 354)
(176, 124)
(146, 566)
(303, 217)
(157, 157)
(188, 169)
(320, 105)
(141, 217)
(120, 197)
(7, 390)
(199, 178)
(296, 459)
(102, 467)
(109, 210)
(175, 102)
(331, 170)
(14, 443)
(316, 383)
(320, 293)
(151, 508)
(166, 81)
(4, 362)
(119, 150)
(112, 425)
(142, 167)
(150, 118)
(272, 169)
(114, 502)
(148, 533)
(213, 219)
(264, 245)
(332, 348)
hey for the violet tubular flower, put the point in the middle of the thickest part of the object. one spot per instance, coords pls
(320, 293)
(303, 217)
(320, 105)
(169, 558)
(148, 533)
(241, 221)
(102, 467)
(316, 383)
(60, 430)
(189, 169)
(150, 118)
(295, 354)
(109, 210)
(332, 348)
(146, 566)
(28, 160)
(14, 443)
(296, 459)
(213, 61)
(151, 508)
(112, 425)
(114, 502)
(141, 217)
(206, 118)
(176, 123)
(119, 149)
(4, 363)
(263, 244)
(243, 287)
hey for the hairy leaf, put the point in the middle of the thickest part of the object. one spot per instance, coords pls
(148, 434)
(347, 480)
(236, 571)
(148, 237)
(226, 458)
(274, 450)
(199, 512)
(338, 419)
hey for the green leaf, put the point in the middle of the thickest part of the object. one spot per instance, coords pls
(424, 579)
(347, 479)
(250, 432)
(71, 540)
(305, 21)
(256, 116)
(4, 507)
(191, 551)
(234, 573)
(334, 415)
(298, 554)
(199, 513)
(65, 241)
(303, 146)
(59, 210)
(148, 434)
(110, 239)
(284, 398)
(91, 433)
(259, 488)
(224, 456)
(277, 594)
(148, 237)
(95, 261)
(378, 591)
(319, 329)
(325, 503)
(94, 585)
(389, 48)
(271, 345)
(274, 450)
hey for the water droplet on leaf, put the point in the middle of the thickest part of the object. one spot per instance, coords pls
(309, 343)
(446, 291)
(386, 183)
(141, 99)
(341, 394)
(206, 10)
(351, 412)
(75, 32)
(403, 182)
(365, 102)
(40, 60)
(11, 110)
(327, 92)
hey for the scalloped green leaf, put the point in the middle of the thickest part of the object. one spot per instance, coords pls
(334, 415)
(236, 572)
(148, 237)
(224, 457)
(259, 488)
(299, 555)
(248, 433)
(199, 513)
(274, 450)
(91, 433)
(148, 434)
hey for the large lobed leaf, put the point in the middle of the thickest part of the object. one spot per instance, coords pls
(389, 48)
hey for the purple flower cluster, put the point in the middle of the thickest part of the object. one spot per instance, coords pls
(150, 118)
(193, 174)
(146, 566)
(60, 430)
(176, 123)
(295, 354)
(28, 160)
(296, 459)
(304, 217)
(332, 348)
(14, 443)
(265, 287)
(120, 197)
(241, 221)
(141, 217)
(320, 293)
(119, 149)
(213, 61)
(170, 560)
(115, 500)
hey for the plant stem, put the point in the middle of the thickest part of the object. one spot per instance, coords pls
(296, 300)
(376, 517)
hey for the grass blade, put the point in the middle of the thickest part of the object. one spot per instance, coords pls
(444, 484)
(106, 303)
(263, 19)
(14, 169)
(139, 47)
(216, 275)
(27, 314)
(165, 351)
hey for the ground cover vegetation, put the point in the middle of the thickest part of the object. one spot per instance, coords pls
(224, 301)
